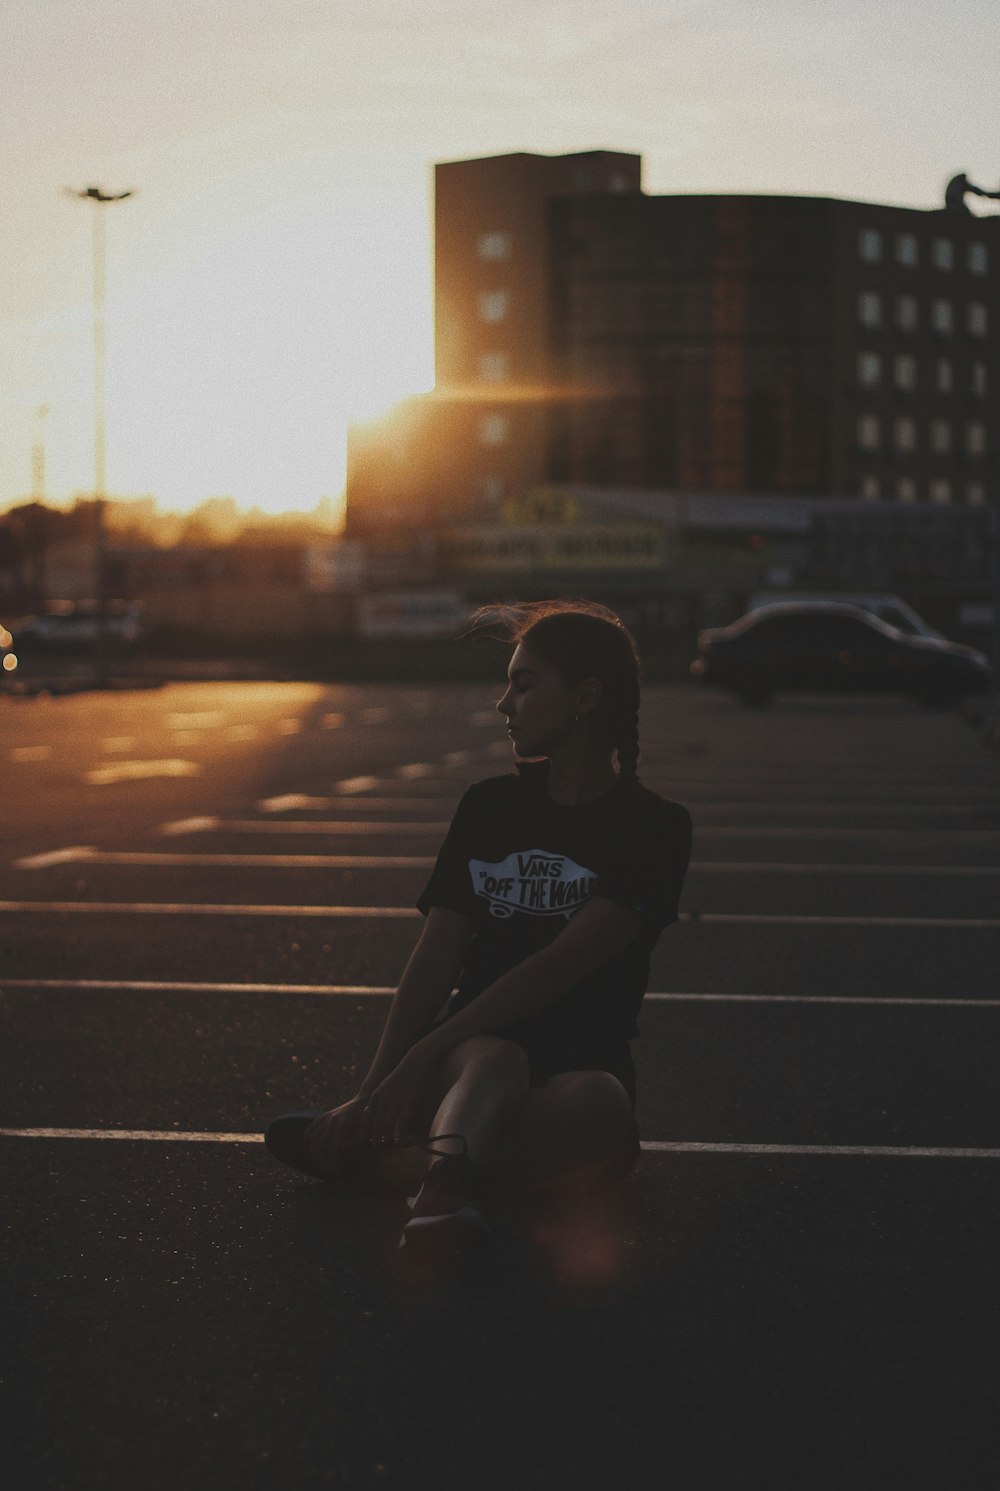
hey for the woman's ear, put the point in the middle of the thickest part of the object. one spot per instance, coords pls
(588, 695)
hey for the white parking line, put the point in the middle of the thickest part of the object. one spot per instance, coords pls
(415, 771)
(766, 867)
(289, 727)
(197, 908)
(870, 1151)
(298, 802)
(126, 771)
(229, 861)
(205, 720)
(68, 856)
(649, 1146)
(397, 861)
(359, 828)
(355, 784)
(194, 908)
(791, 831)
(173, 986)
(24, 754)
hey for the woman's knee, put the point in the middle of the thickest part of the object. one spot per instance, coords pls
(587, 1105)
(487, 1053)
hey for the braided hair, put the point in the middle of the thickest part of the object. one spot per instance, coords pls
(584, 640)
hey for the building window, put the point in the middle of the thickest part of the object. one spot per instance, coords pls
(870, 308)
(942, 319)
(943, 253)
(906, 250)
(940, 436)
(977, 380)
(493, 429)
(493, 367)
(869, 432)
(869, 489)
(906, 489)
(940, 490)
(494, 246)
(869, 369)
(870, 245)
(492, 305)
(905, 433)
(943, 375)
(975, 494)
(979, 259)
(977, 319)
(975, 438)
(905, 372)
(906, 312)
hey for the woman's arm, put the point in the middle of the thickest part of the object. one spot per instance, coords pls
(597, 933)
(428, 979)
(599, 930)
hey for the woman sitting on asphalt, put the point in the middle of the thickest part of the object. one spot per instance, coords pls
(506, 1048)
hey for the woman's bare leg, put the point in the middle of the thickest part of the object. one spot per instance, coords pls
(575, 1122)
(486, 1082)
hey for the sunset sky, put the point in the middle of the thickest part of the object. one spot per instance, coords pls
(271, 280)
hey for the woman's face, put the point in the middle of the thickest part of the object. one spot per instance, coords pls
(540, 707)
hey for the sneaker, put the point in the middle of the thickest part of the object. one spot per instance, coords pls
(285, 1139)
(447, 1212)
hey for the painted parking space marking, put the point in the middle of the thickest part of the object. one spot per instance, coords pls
(25, 754)
(289, 727)
(649, 1146)
(68, 856)
(228, 861)
(297, 802)
(128, 771)
(358, 828)
(196, 720)
(357, 784)
(351, 991)
(196, 908)
(822, 831)
(397, 861)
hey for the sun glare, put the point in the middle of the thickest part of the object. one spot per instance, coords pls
(247, 327)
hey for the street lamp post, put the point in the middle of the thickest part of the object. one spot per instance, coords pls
(100, 200)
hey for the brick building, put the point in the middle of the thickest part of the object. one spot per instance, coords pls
(742, 347)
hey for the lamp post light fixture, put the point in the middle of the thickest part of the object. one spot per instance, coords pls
(100, 200)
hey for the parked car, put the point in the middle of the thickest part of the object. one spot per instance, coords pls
(829, 646)
(69, 625)
(890, 608)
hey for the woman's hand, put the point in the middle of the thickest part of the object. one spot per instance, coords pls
(388, 1112)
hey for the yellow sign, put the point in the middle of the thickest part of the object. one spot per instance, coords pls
(544, 505)
(575, 548)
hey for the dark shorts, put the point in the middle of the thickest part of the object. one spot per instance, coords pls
(551, 1059)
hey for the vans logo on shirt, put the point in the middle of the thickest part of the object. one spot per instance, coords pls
(533, 881)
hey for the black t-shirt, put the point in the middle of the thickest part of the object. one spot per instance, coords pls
(519, 865)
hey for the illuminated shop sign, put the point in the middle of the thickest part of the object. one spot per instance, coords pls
(581, 546)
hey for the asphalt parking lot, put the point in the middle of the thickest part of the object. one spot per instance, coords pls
(206, 895)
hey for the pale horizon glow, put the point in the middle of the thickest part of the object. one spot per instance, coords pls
(271, 281)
